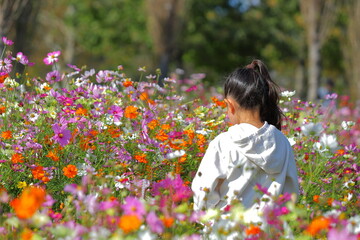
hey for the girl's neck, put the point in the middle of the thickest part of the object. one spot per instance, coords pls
(249, 116)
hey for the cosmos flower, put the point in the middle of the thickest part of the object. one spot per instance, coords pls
(329, 141)
(154, 223)
(52, 57)
(7, 41)
(21, 58)
(177, 153)
(5, 65)
(133, 206)
(287, 93)
(53, 77)
(129, 223)
(61, 134)
(70, 171)
(312, 129)
(29, 202)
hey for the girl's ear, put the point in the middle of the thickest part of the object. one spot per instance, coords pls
(231, 105)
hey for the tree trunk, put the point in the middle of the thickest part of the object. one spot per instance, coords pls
(300, 80)
(313, 68)
(319, 16)
(351, 49)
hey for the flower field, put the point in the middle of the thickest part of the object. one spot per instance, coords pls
(98, 154)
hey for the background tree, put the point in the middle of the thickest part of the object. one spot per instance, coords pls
(222, 35)
(166, 20)
(319, 16)
(351, 47)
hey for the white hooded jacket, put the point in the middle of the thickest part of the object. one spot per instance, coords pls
(239, 159)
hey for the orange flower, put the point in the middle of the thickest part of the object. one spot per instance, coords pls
(129, 223)
(52, 154)
(190, 133)
(183, 158)
(27, 234)
(153, 124)
(201, 139)
(141, 158)
(81, 111)
(29, 202)
(127, 83)
(39, 174)
(2, 109)
(131, 112)
(6, 134)
(167, 221)
(166, 126)
(252, 230)
(70, 171)
(114, 132)
(145, 97)
(218, 102)
(3, 77)
(316, 198)
(17, 158)
(161, 136)
(318, 224)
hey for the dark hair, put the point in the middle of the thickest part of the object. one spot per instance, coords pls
(252, 87)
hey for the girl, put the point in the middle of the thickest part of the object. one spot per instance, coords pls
(253, 151)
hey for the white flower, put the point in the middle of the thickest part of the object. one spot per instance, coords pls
(354, 224)
(11, 82)
(312, 129)
(33, 117)
(203, 131)
(346, 125)
(121, 182)
(44, 86)
(349, 183)
(175, 154)
(287, 93)
(329, 141)
(84, 169)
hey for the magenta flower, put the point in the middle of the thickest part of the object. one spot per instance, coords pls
(53, 76)
(52, 57)
(174, 187)
(154, 223)
(21, 58)
(7, 41)
(133, 206)
(5, 65)
(62, 135)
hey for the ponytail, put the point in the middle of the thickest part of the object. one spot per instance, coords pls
(253, 87)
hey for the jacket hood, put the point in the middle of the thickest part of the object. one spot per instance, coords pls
(264, 146)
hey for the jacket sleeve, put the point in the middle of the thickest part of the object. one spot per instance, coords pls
(212, 168)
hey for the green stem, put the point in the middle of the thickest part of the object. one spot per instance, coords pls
(3, 51)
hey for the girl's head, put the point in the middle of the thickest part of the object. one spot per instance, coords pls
(252, 89)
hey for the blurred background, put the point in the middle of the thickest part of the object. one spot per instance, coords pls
(311, 46)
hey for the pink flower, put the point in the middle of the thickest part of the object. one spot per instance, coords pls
(154, 223)
(21, 58)
(340, 234)
(53, 77)
(133, 206)
(192, 88)
(52, 57)
(5, 65)
(7, 41)
(62, 135)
